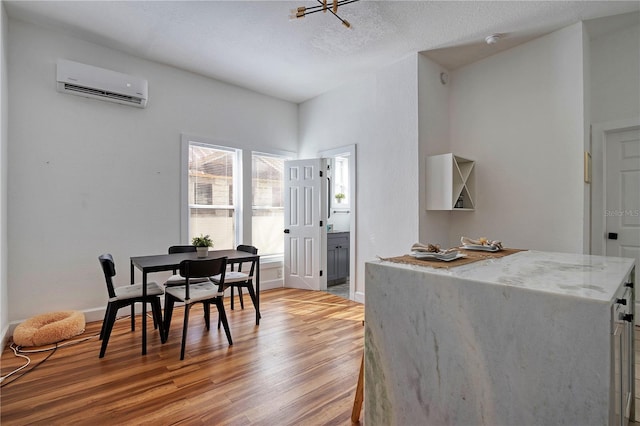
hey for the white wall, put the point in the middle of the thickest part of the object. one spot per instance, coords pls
(615, 71)
(378, 113)
(520, 115)
(4, 138)
(433, 140)
(89, 177)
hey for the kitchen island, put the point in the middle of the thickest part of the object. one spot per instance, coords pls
(533, 338)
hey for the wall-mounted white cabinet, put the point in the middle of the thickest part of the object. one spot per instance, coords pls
(451, 183)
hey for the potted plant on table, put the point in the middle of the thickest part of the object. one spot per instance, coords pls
(339, 197)
(202, 243)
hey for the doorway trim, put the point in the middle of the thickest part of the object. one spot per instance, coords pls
(599, 133)
(351, 151)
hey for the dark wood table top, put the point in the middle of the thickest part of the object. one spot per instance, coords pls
(166, 262)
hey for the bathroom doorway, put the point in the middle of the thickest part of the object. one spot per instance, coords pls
(341, 221)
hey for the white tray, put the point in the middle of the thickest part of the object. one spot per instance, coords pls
(481, 248)
(445, 257)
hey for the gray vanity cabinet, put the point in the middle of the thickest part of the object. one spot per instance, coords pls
(337, 257)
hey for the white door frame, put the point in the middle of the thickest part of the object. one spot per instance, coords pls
(598, 190)
(351, 151)
(598, 187)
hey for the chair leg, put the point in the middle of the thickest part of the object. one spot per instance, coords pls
(240, 297)
(357, 401)
(185, 327)
(104, 321)
(111, 319)
(223, 317)
(207, 314)
(156, 308)
(232, 298)
(155, 321)
(252, 293)
(133, 317)
(168, 312)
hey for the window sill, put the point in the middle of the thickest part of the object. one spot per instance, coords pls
(271, 261)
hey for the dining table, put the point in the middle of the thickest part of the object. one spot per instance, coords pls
(170, 262)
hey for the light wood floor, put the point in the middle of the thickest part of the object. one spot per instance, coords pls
(299, 366)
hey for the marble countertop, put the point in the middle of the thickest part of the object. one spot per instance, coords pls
(576, 275)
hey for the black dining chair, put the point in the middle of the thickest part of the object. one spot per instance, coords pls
(120, 297)
(190, 293)
(176, 279)
(239, 279)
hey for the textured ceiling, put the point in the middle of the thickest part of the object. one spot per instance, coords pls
(253, 44)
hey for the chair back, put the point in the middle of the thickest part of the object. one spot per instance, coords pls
(109, 269)
(248, 249)
(203, 268)
(181, 249)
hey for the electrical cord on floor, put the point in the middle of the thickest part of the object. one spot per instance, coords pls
(18, 351)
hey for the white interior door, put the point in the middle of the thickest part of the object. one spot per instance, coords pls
(305, 217)
(622, 205)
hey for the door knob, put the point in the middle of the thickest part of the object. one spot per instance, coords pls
(612, 235)
(286, 231)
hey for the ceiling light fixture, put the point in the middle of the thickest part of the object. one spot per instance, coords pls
(302, 11)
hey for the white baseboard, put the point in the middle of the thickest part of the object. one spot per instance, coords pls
(359, 296)
(271, 284)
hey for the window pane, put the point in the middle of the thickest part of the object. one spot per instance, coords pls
(203, 193)
(211, 196)
(267, 181)
(267, 233)
(341, 180)
(210, 172)
(219, 224)
(267, 204)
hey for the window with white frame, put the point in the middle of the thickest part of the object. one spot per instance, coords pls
(214, 190)
(341, 181)
(267, 203)
(212, 177)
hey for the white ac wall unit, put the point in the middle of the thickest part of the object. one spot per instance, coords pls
(98, 83)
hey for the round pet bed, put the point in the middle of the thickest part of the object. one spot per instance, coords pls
(49, 328)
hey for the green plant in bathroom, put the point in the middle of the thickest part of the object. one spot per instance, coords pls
(339, 197)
